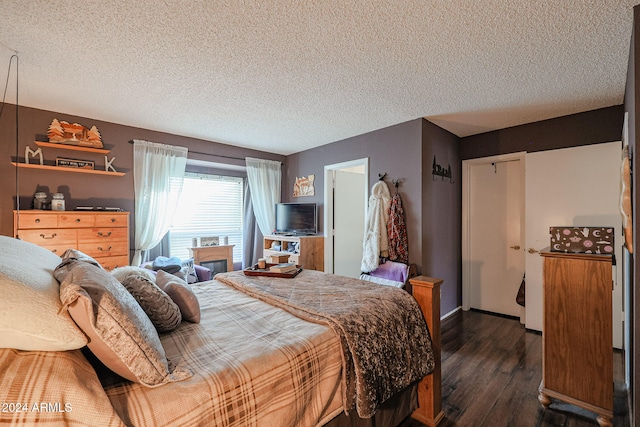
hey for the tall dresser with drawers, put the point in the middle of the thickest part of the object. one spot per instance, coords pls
(101, 235)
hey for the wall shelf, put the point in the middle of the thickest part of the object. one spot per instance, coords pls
(58, 168)
(72, 147)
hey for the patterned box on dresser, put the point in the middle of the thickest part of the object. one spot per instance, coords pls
(586, 240)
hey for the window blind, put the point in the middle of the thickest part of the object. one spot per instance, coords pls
(209, 206)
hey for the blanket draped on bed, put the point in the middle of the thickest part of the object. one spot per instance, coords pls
(385, 342)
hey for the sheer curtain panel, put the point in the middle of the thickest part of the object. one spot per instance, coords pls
(265, 179)
(158, 173)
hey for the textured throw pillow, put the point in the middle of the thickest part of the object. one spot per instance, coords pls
(80, 256)
(30, 317)
(121, 273)
(120, 333)
(181, 293)
(159, 307)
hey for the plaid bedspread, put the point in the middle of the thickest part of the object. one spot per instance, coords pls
(384, 338)
(51, 389)
(254, 365)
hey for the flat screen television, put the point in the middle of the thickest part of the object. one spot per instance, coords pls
(296, 218)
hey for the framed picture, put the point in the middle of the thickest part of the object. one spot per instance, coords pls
(73, 163)
(210, 241)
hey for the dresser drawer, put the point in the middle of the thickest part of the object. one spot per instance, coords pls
(36, 220)
(86, 235)
(112, 220)
(58, 249)
(76, 220)
(109, 263)
(49, 237)
(103, 249)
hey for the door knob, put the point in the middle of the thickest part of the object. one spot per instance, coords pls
(516, 247)
(532, 251)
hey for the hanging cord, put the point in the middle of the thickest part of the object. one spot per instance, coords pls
(4, 96)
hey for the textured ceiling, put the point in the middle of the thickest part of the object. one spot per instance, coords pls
(284, 76)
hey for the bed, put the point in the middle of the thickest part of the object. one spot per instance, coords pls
(266, 351)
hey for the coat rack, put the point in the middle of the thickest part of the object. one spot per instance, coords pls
(441, 172)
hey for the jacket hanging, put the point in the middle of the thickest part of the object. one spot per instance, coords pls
(397, 231)
(376, 243)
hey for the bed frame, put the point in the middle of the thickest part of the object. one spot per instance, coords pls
(426, 290)
(428, 392)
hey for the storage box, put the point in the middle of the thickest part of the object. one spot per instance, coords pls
(279, 258)
(587, 240)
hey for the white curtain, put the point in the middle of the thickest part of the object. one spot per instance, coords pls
(158, 173)
(265, 180)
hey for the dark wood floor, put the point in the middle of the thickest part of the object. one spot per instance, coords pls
(491, 370)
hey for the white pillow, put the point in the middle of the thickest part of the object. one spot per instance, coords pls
(30, 307)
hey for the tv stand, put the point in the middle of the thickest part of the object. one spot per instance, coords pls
(310, 252)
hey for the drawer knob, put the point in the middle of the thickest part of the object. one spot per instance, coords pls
(49, 237)
(113, 220)
(37, 220)
(104, 250)
(101, 234)
(77, 219)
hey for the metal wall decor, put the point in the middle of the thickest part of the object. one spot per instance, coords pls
(441, 172)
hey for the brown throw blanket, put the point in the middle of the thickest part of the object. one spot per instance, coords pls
(385, 342)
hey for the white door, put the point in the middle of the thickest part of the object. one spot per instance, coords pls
(348, 222)
(577, 186)
(495, 260)
(345, 205)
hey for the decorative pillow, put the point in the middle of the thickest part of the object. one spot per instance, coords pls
(30, 317)
(120, 333)
(121, 273)
(181, 293)
(80, 256)
(159, 307)
(189, 269)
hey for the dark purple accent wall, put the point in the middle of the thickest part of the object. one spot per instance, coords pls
(632, 108)
(442, 214)
(591, 127)
(432, 208)
(86, 189)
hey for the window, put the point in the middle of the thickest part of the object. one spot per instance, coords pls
(210, 205)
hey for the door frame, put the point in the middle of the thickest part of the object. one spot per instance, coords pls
(328, 203)
(466, 215)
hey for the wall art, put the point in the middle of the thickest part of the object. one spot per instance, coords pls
(304, 186)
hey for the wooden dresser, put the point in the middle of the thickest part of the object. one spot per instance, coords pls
(577, 336)
(101, 235)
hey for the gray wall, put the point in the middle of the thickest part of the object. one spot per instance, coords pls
(442, 214)
(590, 127)
(86, 189)
(632, 107)
(432, 208)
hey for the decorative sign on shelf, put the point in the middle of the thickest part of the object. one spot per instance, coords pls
(209, 241)
(73, 163)
(304, 186)
(440, 171)
(74, 134)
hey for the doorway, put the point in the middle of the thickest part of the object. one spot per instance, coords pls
(345, 204)
(493, 233)
(578, 186)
